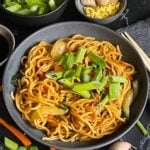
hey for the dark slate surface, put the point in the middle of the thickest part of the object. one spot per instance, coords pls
(136, 10)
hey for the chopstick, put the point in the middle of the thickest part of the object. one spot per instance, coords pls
(141, 52)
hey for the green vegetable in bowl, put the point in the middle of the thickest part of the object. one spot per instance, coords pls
(31, 7)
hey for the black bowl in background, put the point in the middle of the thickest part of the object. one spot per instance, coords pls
(60, 30)
(8, 46)
(80, 7)
(35, 21)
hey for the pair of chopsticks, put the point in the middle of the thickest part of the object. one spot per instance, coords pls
(145, 58)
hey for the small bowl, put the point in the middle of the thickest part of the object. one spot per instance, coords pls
(35, 21)
(7, 44)
(80, 8)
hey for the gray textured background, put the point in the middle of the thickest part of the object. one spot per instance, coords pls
(140, 32)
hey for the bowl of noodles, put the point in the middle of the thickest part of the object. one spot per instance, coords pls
(101, 11)
(75, 85)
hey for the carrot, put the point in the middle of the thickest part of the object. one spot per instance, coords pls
(58, 68)
(130, 77)
(52, 148)
(24, 139)
(1, 88)
(50, 117)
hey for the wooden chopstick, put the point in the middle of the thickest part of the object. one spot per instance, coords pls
(141, 52)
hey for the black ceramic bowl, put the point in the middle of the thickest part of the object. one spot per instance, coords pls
(35, 21)
(80, 8)
(52, 33)
(7, 44)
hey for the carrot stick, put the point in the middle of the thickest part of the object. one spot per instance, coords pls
(58, 68)
(50, 117)
(24, 139)
(52, 148)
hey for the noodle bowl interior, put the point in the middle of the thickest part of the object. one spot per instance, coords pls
(76, 88)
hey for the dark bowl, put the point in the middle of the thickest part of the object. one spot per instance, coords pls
(52, 33)
(35, 21)
(10, 40)
(80, 7)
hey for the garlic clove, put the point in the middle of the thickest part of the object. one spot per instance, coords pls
(113, 1)
(102, 2)
(120, 146)
(89, 3)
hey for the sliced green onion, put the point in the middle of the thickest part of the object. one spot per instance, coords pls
(103, 82)
(7, 1)
(10, 144)
(25, 11)
(114, 90)
(22, 148)
(142, 128)
(85, 77)
(104, 101)
(66, 82)
(68, 74)
(54, 74)
(52, 4)
(98, 75)
(62, 59)
(97, 59)
(78, 71)
(113, 78)
(85, 94)
(80, 55)
(14, 7)
(69, 61)
(93, 85)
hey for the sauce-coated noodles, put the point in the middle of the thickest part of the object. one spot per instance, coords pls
(60, 109)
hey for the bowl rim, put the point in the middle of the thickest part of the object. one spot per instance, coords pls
(11, 46)
(99, 19)
(86, 147)
(34, 16)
